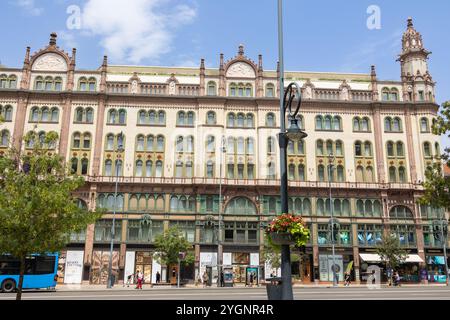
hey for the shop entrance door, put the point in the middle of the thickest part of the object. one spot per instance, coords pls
(306, 269)
(144, 265)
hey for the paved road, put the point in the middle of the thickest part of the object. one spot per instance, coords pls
(355, 293)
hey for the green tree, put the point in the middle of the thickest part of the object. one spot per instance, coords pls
(37, 209)
(170, 244)
(391, 253)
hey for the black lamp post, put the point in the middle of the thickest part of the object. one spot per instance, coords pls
(293, 133)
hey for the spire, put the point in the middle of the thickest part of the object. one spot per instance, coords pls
(221, 61)
(373, 73)
(410, 22)
(74, 56)
(260, 63)
(105, 62)
(53, 37)
(241, 50)
(27, 56)
(202, 64)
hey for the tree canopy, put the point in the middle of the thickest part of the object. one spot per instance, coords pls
(38, 212)
(170, 244)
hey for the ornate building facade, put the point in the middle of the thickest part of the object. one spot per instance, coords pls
(190, 132)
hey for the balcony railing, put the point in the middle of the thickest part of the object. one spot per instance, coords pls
(251, 182)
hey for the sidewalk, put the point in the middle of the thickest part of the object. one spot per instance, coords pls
(120, 287)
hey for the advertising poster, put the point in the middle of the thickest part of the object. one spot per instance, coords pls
(74, 267)
(254, 259)
(227, 259)
(323, 267)
(129, 265)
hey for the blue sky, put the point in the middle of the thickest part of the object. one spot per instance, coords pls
(319, 35)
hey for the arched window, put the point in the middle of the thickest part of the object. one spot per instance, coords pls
(397, 125)
(230, 145)
(240, 146)
(190, 118)
(291, 172)
(377, 208)
(35, 114)
(58, 84)
(359, 174)
(4, 141)
(84, 166)
(190, 144)
(231, 119)
(336, 123)
(92, 84)
(367, 149)
(402, 174)
(7, 113)
(356, 124)
(211, 118)
(300, 122)
(89, 115)
(327, 123)
(339, 148)
(320, 207)
(55, 115)
(340, 174)
(212, 91)
(270, 120)
(393, 95)
(149, 168)
(152, 117)
(160, 144)
(360, 207)
(179, 169)
(301, 172)
(437, 149)
(385, 94)
(159, 169)
(321, 173)
(301, 147)
(82, 84)
(270, 90)
(388, 124)
(319, 123)
(179, 144)
(74, 165)
(365, 124)
(76, 140)
(210, 169)
(424, 125)
(426, 149)
(79, 115)
(48, 83)
(13, 82)
(139, 165)
(346, 207)
(161, 117)
(45, 114)
(358, 148)
(329, 147)
(86, 140)
(118, 170)
(108, 168)
(240, 120)
(319, 148)
(210, 144)
(400, 212)
(249, 123)
(232, 89)
(122, 116)
(400, 151)
(369, 174)
(240, 205)
(39, 83)
(392, 174)
(250, 146)
(142, 117)
(181, 118)
(150, 143)
(110, 142)
(390, 149)
(290, 147)
(112, 116)
(140, 143)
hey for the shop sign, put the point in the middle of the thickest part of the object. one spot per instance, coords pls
(74, 267)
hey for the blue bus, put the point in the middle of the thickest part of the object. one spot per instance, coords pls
(40, 272)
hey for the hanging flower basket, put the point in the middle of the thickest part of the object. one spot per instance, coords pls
(282, 238)
(288, 229)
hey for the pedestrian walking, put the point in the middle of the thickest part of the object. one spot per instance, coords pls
(205, 279)
(158, 277)
(396, 279)
(129, 280)
(347, 279)
(251, 279)
(140, 278)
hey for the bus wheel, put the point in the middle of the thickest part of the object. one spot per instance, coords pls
(8, 286)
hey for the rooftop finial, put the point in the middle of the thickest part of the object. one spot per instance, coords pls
(241, 49)
(410, 22)
(53, 37)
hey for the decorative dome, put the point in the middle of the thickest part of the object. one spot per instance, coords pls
(412, 40)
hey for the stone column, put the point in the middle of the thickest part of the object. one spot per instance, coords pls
(99, 135)
(65, 125)
(356, 263)
(379, 149)
(410, 144)
(19, 123)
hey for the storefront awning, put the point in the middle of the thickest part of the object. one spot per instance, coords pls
(373, 257)
(370, 257)
(413, 258)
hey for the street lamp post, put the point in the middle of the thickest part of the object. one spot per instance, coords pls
(294, 133)
(223, 150)
(444, 243)
(113, 228)
(331, 159)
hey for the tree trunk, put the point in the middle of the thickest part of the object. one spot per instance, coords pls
(21, 275)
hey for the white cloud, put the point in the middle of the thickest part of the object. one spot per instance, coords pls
(131, 31)
(30, 7)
